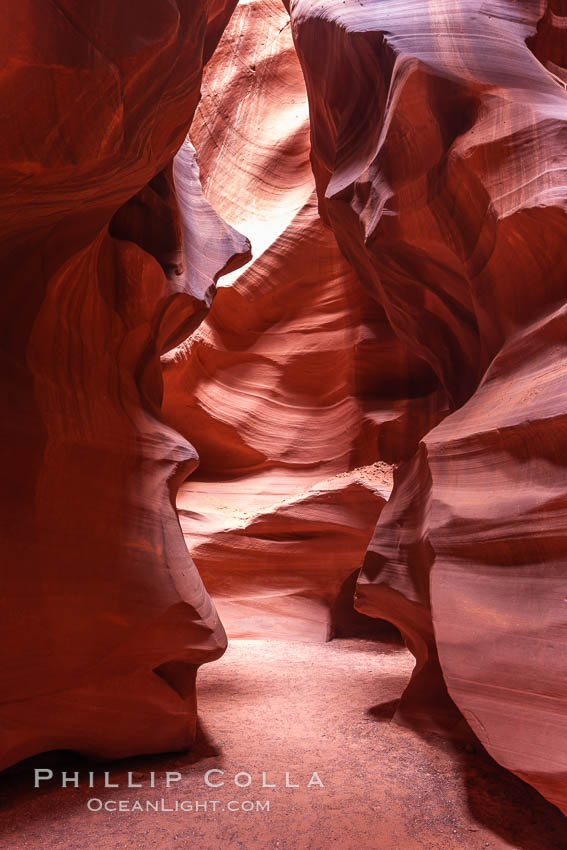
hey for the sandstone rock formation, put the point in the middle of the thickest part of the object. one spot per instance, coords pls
(295, 379)
(104, 618)
(439, 153)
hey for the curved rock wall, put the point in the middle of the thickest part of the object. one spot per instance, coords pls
(445, 182)
(104, 618)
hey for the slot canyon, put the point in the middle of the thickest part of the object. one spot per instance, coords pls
(284, 369)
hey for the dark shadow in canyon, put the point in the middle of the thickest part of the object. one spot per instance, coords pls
(347, 622)
(17, 782)
(497, 799)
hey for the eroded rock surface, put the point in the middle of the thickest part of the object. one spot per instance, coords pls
(439, 152)
(104, 618)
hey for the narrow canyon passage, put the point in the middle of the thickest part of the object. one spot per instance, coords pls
(283, 493)
(290, 707)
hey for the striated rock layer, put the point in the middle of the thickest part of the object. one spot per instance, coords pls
(104, 618)
(438, 137)
(295, 377)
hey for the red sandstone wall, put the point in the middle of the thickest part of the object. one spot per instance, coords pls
(104, 618)
(439, 153)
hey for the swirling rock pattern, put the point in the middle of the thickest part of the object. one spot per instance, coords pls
(104, 618)
(438, 133)
(295, 377)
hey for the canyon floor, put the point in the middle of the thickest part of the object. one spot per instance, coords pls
(292, 707)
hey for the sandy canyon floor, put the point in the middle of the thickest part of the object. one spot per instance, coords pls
(280, 707)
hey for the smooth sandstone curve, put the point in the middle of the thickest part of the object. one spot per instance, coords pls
(438, 133)
(104, 618)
